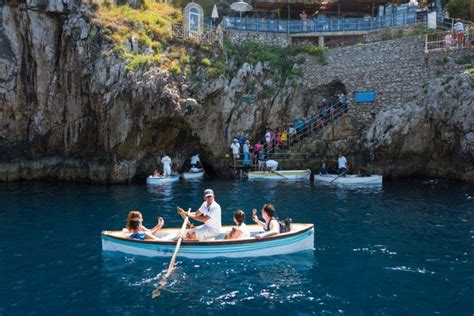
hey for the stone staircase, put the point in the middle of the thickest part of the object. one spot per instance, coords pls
(284, 153)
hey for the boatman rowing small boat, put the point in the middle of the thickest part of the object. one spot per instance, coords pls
(272, 165)
(209, 213)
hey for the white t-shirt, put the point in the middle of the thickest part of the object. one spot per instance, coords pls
(195, 159)
(245, 233)
(166, 161)
(214, 212)
(271, 163)
(342, 162)
(235, 148)
(268, 137)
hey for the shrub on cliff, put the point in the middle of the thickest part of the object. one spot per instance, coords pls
(280, 60)
(463, 9)
(138, 34)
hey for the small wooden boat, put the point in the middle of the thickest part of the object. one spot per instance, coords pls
(281, 175)
(300, 238)
(349, 179)
(193, 173)
(161, 180)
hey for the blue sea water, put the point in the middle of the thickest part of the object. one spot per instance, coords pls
(404, 249)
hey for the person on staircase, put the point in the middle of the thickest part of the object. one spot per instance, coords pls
(284, 137)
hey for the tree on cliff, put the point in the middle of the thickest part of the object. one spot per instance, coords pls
(462, 9)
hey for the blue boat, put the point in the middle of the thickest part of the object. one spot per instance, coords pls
(299, 238)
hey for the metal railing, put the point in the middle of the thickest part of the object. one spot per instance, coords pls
(209, 36)
(318, 121)
(446, 41)
(321, 25)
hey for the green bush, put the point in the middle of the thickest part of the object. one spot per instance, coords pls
(184, 59)
(296, 71)
(386, 35)
(300, 60)
(174, 68)
(463, 9)
(136, 61)
(464, 60)
(206, 62)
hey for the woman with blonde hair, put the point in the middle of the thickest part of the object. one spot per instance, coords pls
(137, 230)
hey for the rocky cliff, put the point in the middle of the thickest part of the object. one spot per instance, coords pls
(70, 109)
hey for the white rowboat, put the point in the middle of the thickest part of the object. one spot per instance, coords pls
(161, 180)
(193, 174)
(348, 179)
(300, 238)
(281, 175)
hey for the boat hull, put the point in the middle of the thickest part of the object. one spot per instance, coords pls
(349, 179)
(161, 180)
(192, 175)
(277, 245)
(283, 175)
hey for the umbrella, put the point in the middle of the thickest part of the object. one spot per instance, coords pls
(241, 6)
(214, 14)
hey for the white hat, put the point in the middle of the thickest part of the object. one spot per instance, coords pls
(208, 192)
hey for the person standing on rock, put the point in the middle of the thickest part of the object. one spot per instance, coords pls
(246, 150)
(235, 146)
(342, 165)
(166, 161)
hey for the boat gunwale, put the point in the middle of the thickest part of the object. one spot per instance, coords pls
(285, 172)
(210, 242)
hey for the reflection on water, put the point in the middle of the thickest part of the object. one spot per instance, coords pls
(216, 283)
(162, 193)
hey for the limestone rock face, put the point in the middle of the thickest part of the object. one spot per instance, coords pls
(432, 136)
(70, 110)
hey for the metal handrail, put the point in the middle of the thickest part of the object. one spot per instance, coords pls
(321, 25)
(316, 122)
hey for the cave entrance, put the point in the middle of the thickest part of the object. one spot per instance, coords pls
(330, 89)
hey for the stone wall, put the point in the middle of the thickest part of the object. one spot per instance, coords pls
(283, 39)
(238, 37)
(397, 70)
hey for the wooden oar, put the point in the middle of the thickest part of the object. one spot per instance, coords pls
(279, 174)
(338, 176)
(163, 282)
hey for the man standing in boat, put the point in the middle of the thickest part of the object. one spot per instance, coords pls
(341, 165)
(209, 213)
(166, 161)
(195, 161)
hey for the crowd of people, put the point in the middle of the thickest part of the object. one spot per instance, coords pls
(210, 215)
(256, 155)
(280, 138)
